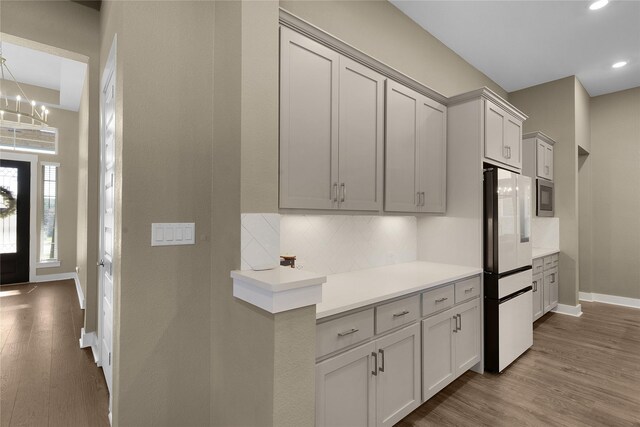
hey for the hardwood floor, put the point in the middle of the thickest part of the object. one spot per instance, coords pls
(46, 379)
(580, 372)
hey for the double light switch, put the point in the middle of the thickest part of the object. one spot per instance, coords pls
(173, 234)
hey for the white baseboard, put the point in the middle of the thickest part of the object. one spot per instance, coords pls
(610, 299)
(569, 310)
(64, 276)
(90, 340)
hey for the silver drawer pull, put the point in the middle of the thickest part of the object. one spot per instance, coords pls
(466, 291)
(349, 332)
(401, 314)
(441, 299)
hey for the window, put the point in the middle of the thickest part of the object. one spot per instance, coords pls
(26, 137)
(49, 230)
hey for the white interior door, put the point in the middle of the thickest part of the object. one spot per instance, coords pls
(107, 201)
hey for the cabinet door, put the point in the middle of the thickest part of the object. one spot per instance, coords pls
(547, 291)
(537, 297)
(432, 155)
(398, 380)
(548, 160)
(553, 288)
(494, 132)
(401, 194)
(467, 338)
(308, 123)
(513, 141)
(345, 389)
(361, 137)
(438, 364)
(541, 161)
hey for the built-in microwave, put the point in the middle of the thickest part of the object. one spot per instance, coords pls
(545, 200)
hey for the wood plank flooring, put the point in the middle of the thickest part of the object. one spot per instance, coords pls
(580, 372)
(46, 379)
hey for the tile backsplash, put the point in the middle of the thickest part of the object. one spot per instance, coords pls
(260, 241)
(329, 244)
(545, 232)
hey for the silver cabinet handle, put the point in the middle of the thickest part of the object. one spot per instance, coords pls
(441, 299)
(459, 320)
(423, 198)
(349, 332)
(100, 263)
(455, 319)
(418, 198)
(401, 314)
(535, 286)
(343, 187)
(382, 361)
(335, 192)
(466, 291)
(375, 363)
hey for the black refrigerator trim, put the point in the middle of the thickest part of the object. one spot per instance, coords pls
(490, 211)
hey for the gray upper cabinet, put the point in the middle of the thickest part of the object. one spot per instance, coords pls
(361, 137)
(537, 151)
(503, 136)
(331, 128)
(415, 155)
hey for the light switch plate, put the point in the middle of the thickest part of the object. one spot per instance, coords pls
(173, 234)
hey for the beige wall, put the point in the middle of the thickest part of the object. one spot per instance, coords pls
(615, 148)
(73, 27)
(162, 355)
(551, 109)
(583, 130)
(380, 30)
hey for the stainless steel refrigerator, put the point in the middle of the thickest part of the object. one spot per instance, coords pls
(507, 267)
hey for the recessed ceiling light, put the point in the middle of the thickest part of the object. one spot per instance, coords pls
(619, 64)
(598, 4)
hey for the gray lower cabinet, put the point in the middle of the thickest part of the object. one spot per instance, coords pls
(375, 384)
(450, 346)
(545, 285)
(538, 296)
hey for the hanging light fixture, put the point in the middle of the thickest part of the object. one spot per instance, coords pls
(31, 113)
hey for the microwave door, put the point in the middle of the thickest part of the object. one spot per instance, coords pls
(525, 210)
(545, 198)
(507, 220)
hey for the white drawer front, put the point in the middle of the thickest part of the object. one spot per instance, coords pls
(343, 332)
(467, 289)
(538, 265)
(554, 260)
(397, 313)
(511, 284)
(437, 300)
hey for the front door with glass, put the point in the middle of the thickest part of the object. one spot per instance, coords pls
(15, 199)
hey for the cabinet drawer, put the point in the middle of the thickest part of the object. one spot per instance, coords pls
(467, 289)
(437, 300)
(538, 266)
(343, 332)
(548, 262)
(554, 260)
(397, 313)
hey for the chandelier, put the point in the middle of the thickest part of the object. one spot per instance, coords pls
(23, 110)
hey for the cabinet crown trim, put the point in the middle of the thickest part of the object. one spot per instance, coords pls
(301, 26)
(539, 135)
(490, 95)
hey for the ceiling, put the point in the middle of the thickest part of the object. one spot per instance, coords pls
(37, 68)
(519, 44)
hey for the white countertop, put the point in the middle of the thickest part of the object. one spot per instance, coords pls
(541, 252)
(355, 289)
(279, 279)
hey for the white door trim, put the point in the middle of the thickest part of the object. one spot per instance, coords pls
(33, 215)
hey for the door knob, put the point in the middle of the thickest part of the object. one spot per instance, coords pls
(100, 263)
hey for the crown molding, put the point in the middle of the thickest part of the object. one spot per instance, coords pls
(490, 95)
(539, 135)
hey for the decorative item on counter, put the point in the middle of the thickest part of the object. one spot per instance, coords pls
(288, 260)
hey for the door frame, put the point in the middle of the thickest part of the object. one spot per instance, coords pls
(33, 215)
